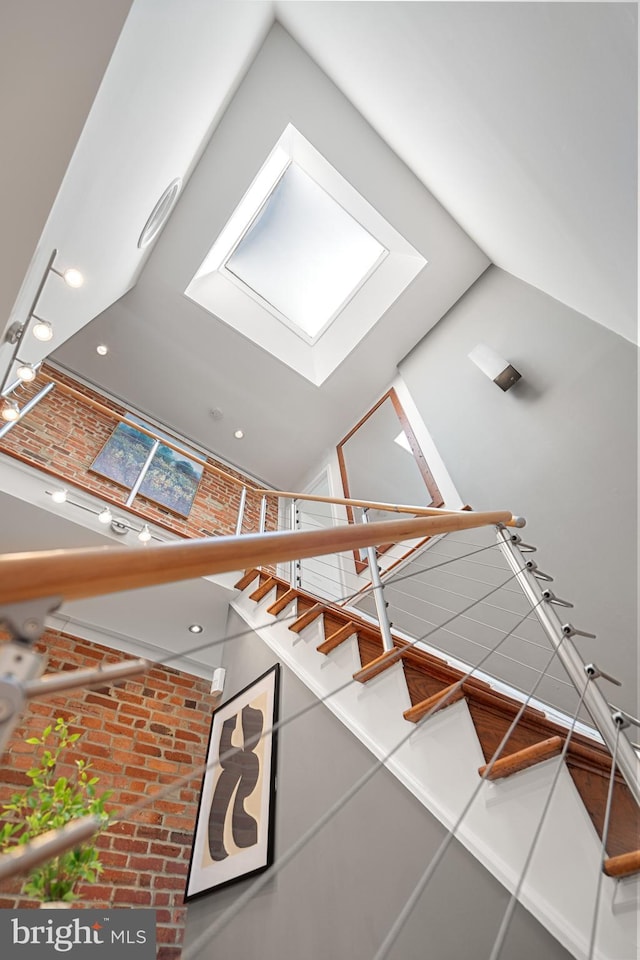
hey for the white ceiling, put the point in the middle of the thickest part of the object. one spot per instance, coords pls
(52, 60)
(518, 118)
(521, 118)
(161, 338)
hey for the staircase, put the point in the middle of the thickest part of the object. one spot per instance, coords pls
(449, 725)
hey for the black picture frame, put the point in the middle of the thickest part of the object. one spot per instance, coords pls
(233, 841)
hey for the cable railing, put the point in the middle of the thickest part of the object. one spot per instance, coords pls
(441, 580)
(481, 591)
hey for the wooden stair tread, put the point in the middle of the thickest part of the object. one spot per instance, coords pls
(523, 759)
(248, 577)
(312, 614)
(375, 667)
(287, 597)
(263, 589)
(438, 701)
(337, 637)
(491, 712)
(623, 865)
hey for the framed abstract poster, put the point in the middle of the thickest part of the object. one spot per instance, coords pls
(234, 832)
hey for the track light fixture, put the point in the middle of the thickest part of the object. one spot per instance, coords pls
(71, 276)
(42, 329)
(26, 372)
(14, 332)
(10, 410)
(119, 525)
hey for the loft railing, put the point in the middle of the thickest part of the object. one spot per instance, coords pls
(32, 585)
(283, 503)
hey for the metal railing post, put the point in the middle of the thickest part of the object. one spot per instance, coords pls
(143, 472)
(25, 410)
(560, 635)
(241, 506)
(378, 594)
(293, 524)
(263, 515)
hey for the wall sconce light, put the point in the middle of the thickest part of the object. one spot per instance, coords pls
(217, 682)
(494, 366)
(10, 410)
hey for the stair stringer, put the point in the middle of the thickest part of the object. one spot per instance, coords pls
(560, 884)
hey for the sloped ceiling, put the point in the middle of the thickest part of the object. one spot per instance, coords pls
(171, 358)
(521, 118)
(52, 60)
(518, 117)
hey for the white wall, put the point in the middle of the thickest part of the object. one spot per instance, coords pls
(338, 897)
(559, 447)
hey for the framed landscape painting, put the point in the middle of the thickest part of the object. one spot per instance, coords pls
(170, 479)
(234, 836)
(123, 455)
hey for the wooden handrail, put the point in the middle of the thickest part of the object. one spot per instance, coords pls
(418, 511)
(93, 571)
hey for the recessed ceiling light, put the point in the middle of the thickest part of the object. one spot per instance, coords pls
(102, 349)
(26, 372)
(196, 628)
(238, 434)
(73, 277)
(59, 496)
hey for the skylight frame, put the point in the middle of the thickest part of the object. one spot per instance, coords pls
(235, 304)
(264, 301)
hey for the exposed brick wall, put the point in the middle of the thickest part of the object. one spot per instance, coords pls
(63, 436)
(139, 735)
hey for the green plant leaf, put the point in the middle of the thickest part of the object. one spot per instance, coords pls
(48, 803)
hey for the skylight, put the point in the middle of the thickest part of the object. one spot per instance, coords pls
(304, 266)
(304, 254)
